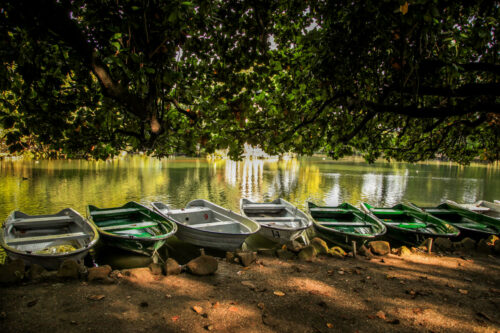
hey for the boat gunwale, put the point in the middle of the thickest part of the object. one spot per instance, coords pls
(155, 238)
(93, 239)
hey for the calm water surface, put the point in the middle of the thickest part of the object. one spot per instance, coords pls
(37, 187)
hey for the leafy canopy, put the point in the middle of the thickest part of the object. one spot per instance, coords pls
(392, 79)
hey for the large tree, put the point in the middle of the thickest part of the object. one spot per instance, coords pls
(402, 80)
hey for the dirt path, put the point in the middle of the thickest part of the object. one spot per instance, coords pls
(417, 293)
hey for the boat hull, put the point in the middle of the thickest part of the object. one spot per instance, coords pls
(49, 262)
(220, 239)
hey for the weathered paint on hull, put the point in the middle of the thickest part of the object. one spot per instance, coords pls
(49, 262)
(212, 240)
(144, 247)
(280, 236)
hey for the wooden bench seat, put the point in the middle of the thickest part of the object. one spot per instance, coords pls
(212, 224)
(333, 210)
(345, 224)
(114, 211)
(276, 219)
(263, 206)
(47, 238)
(140, 225)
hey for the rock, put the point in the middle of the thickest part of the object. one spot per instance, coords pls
(443, 244)
(467, 244)
(364, 251)
(209, 327)
(198, 309)
(285, 254)
(230, 257)
(380, 247)
(246, 257)
(308, 253)
(172, 267)
(267, 252)
(492, 240)
(203, 265)
(69, 269)
(403, 251)
(320, 245)
(12, 272)
(100, 273)
(337, 252)
(294, 246)
(37, 272)
(483, 247)
(249, 284)
(155, 268)
(497, 246)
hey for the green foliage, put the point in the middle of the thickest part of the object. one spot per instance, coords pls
(391, 79)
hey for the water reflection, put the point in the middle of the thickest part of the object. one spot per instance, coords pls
(48, 186)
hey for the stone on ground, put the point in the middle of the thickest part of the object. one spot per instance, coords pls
(203, 265)
(492, 240)
(100, 273)
(246, 257)
(69, 269)
(172, 267)
(497, 246)
(294, 246)
(443, 244)
(365, 251)
(12, 272)
(155, 268)
(285, 254)
(467, 244)
(37, 272)
(380, 247)
(308, 253)
(483, 247)
(403, 251)
(230, 257)
(320, 245)
(337, 252)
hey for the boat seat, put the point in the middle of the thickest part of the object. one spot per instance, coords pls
(263, 206)
(346, 224)
(388, 211)
(437, 210)
(46, 238)
(277, 219)
(334, 210)
(189, 210)
(212, 224)
(114, 211)
(141, 225)
(40, 221)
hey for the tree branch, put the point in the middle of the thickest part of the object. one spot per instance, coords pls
(430, 112)
(432, 65)
(184, 112)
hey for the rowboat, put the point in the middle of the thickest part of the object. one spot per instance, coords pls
(471, 224)
(344, 224)
(132, 227)
(481, 207)
(280, 221)
(203, 223)
(409, 224)
(47, 240)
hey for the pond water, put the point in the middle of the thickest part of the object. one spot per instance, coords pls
(37, 187)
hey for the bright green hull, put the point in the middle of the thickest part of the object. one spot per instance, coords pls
(344, 224)
(132, 227)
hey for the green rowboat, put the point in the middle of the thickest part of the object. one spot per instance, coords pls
(471, 224)
(132, 227)
(344, 224)
(409, 224)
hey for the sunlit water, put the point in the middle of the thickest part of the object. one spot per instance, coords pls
(37, 187)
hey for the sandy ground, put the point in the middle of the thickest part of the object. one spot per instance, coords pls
(417, 293)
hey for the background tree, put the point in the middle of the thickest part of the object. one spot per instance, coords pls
(401, 80)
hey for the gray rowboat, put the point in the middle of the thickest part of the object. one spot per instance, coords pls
(280, 221)
(203, 223)
(47, 240)
(482, 207)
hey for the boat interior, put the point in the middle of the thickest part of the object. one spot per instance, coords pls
(457, 219)
(46, 234)
(127, 221)
(206, 219)
(273, 215)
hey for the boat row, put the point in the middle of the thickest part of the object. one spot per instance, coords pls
(50, 239)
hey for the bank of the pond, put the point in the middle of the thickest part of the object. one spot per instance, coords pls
(450, 291)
